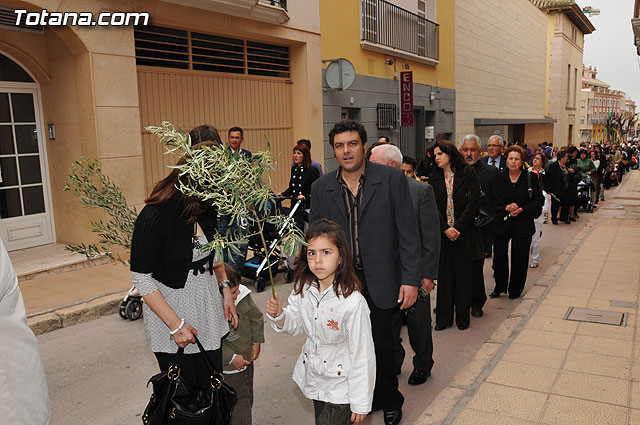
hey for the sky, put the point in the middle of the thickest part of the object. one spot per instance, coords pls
(610, 48)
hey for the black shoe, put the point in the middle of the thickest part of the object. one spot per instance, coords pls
(571, 219)
(567, 221)
(392, 417)
(418, 377)
(513, 297)
(463, 327)
(440, 327)
(577, 216)
(494, 294)
(477, 312)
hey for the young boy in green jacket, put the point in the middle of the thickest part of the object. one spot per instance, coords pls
(241, 347)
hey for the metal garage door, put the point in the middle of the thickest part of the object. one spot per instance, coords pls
(191, 79)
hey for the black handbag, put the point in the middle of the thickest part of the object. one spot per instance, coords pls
(174, 403)
(485, 212)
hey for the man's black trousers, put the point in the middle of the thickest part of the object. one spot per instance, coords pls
(385, 395)
(419, 329)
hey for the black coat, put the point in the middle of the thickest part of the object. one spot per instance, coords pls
(466, 202)
(503, 161)
(554, 179)
(300, 182)
(387, 230)
(506, 193)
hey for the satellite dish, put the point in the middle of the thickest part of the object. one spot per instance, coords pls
(340, 74)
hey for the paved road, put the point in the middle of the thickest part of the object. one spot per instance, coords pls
(97, 371)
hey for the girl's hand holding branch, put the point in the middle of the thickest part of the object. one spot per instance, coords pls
(274, 306)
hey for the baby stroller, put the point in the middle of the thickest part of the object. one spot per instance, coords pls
(584, 188)
(256, 268)
(131, 306)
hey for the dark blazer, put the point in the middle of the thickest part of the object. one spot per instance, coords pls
(387, 230)
(486, 174)
(503, 161)
(466, 202)
(554, 179)
(426, 212)
(242, 152)
(506, 193)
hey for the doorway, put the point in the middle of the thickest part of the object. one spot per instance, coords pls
(25, 211)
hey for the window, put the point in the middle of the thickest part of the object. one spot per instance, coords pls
(172, 48)
(386, 114)
(568, 85)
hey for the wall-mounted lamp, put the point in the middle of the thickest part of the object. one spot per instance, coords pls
(406, 66)
(388, 61)
(52, 132)
(432, 96)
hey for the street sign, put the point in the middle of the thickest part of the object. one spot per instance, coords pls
(406, 98)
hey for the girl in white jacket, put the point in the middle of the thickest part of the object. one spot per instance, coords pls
(337, 366)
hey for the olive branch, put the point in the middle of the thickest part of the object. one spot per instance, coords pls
(232, 183)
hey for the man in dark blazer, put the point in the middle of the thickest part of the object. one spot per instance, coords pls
(471, 150)
(419, 317)
(494, 157)
(372, 204)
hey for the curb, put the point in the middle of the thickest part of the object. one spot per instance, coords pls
(451, 400)
(72, 315)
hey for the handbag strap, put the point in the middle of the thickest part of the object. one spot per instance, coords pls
(174, 370)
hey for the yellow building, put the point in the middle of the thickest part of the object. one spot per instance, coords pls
(67, 91)
(381, 39)
(567, 26)
(500, 71)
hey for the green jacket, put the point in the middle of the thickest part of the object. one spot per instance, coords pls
(250, 330)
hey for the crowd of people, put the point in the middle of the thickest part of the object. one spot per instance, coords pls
(382, 230)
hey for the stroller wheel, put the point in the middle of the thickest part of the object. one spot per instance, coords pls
(134, 309)
(260, 284)
(289, 276)
(122, 309)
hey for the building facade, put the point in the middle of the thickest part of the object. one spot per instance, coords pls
(501, 56)
(567, 26)
(606, 102)
(71, 91)
(380, 40)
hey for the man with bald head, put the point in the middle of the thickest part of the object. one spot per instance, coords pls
(470, 150)
(419, 318)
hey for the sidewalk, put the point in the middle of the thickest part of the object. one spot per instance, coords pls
(538, 368)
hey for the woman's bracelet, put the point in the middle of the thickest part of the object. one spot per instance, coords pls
(172, 333)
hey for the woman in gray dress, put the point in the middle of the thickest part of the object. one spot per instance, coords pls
(186, 294)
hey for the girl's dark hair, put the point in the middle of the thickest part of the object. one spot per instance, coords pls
(166, 191)
(306, 154)
(345, 280)
(456, 160)
(205, 133)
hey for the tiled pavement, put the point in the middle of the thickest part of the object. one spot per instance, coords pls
(540, 369)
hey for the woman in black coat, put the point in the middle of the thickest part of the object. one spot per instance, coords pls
(457, 193)
(518, 200)
(303, 174)
(556, 183)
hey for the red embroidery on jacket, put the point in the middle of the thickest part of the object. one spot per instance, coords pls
(332, 324)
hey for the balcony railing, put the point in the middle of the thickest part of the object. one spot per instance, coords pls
(386, 24)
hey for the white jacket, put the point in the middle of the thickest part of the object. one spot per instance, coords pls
(24, 398)
(338, 362)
